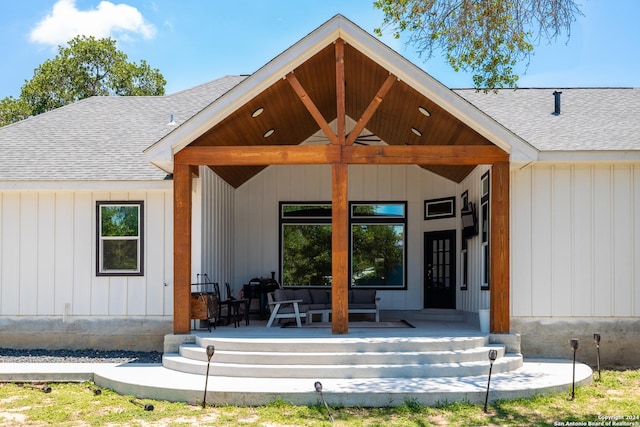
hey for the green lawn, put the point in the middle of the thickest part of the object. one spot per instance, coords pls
(612, 401)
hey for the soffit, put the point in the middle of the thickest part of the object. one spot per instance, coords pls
(392, 124)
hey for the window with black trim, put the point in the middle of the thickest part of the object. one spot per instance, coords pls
(464, 252)
(120, 238)
(485, 212)
(305, 244)
(377, 244)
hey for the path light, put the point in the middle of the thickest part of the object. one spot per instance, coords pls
(146, 406)
(574, 345)
(45, 388)
(95, 391)
(596, 339)
(318, 386)
(493, 354)
(210, 350)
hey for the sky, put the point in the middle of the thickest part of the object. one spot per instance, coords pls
(195, 41)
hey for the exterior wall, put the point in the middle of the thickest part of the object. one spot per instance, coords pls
(256, 215)
(473, 298)
(47, 271)
(575, 254)
(217, 229)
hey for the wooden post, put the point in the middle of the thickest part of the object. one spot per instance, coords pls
(181, 248)
(340, 210)
(339, 249)
(499, 241)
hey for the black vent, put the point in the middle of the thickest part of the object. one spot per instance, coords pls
(556, 104)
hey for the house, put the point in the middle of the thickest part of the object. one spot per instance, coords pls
(525, 203)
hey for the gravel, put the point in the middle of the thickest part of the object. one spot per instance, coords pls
(8, 355)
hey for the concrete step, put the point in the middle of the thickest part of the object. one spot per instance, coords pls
(373, 344)
(195, 352)
(352, 370)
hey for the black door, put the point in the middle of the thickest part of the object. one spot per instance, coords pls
(440, 269)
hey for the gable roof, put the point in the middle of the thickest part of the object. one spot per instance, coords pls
(368, 63)
(99, 138)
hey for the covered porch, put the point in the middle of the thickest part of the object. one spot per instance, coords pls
(344, 86)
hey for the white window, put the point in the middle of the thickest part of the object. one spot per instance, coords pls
(119, 239)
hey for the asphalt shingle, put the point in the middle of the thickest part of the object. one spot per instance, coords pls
(100, 138)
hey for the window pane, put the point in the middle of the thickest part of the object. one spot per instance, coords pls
(377, 255)
(378, 210)
(306, 255)
(306, 211)
(119, 255)
(119, 221)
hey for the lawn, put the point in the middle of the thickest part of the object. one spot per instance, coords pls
(614, 400)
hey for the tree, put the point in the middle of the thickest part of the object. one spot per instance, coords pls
(87, 67)
(486, 37)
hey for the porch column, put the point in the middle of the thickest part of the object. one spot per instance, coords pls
(181, 248)
(499, 248)
(339, 250)
(339, 210)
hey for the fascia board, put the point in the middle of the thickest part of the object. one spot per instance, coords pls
(55, 186)
(163, 151)
(589, 156)
(417, 78)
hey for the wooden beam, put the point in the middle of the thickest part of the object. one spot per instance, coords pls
(341, 111)
(311, 106)
(371, 109)
(339, 249)
(181, 248)
(258, 155)
(263, 155)
(424, 154)
(499, 249)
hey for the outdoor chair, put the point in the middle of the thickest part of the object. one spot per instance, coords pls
(285, 309)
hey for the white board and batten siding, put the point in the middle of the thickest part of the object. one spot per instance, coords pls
(257, 222)
(575, 240)
(48, 255)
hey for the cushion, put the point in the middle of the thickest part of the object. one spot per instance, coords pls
(302, 294)
(279, 295)
(363, 296)
(288, 308)
(320, 296)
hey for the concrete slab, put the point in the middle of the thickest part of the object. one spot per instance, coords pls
(156, 382)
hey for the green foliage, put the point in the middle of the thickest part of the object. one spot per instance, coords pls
(486, 37)
(87, 67)
(13, 110)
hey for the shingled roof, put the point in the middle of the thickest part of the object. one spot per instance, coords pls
(100, 138)
(590, 119)
(103, 138)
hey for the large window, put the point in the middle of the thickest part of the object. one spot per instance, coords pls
(377, 244)
(305, 244)
(119, 238)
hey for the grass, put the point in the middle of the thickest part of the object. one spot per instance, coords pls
(613, 400)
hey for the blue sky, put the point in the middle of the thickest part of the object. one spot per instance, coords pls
(194, 41)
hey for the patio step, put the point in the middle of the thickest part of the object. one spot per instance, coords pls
(418, 357)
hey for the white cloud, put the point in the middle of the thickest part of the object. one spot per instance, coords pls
(107, 20)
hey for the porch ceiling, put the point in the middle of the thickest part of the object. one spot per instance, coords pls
(292, 124)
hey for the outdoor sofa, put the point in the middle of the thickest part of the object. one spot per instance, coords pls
(292, 303)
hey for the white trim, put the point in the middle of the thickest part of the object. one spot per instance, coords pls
(607, 156)
(85, 185)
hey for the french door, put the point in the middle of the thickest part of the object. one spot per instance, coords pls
(440, 269)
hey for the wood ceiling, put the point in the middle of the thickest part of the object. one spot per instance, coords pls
(292, 123)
